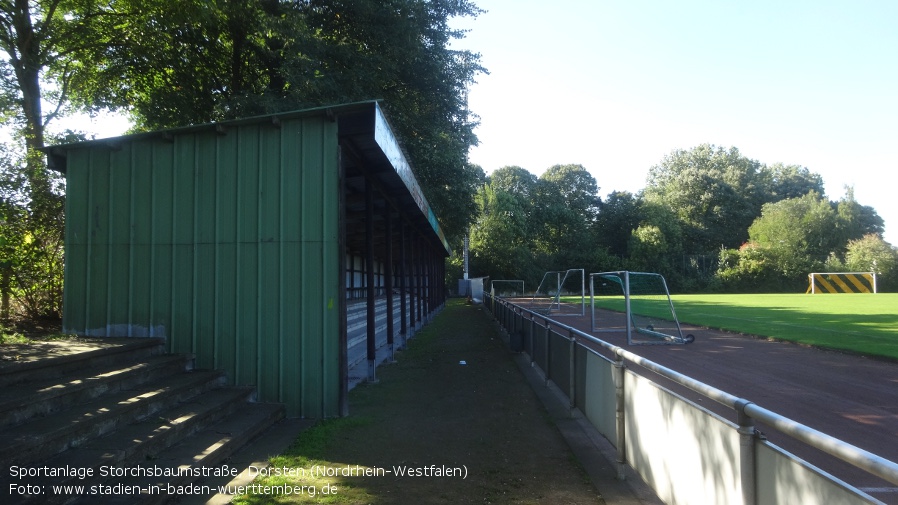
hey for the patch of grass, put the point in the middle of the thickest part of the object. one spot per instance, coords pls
(453, 400)
(860, 323)
(12, 337)
(298, 468)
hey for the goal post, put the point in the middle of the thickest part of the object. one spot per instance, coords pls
(555, 284)
(841, 282)
(642, 298)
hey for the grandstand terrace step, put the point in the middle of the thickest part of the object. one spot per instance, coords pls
(118, 404)
(27, 399)
(210, 448)
(56, 358)
(41, 437)
(147, 442)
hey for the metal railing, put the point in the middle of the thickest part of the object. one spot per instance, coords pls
(520, 321)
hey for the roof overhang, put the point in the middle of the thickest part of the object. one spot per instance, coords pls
(362, 125)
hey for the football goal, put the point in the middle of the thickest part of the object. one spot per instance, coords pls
(841, 282)
(556, 284)
(637, 303)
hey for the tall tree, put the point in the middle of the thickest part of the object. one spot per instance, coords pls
(499, 236)
(656, 244)
(798, 232)
(789, 181)
(42, 47)
(715, 192)
(41, 41)
(198, 61)
(619, 214)
(856, 220)
(520, 184)
(566, 204)
(872, 253)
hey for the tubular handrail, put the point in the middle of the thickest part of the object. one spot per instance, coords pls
(849, 453)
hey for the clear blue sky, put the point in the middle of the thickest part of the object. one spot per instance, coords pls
(617, 85)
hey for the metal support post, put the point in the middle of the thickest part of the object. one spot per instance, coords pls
(388, 278)
(532, 335)
(748, 476)
(546, 348)
(620, 416)
(403, 287)
(572, 386)
(369, 278)
(629, 313)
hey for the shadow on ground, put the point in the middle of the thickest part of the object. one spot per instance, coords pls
(454, 414)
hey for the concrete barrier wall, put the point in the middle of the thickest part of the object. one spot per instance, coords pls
(596, 398)
(783, 479)
(683, 452)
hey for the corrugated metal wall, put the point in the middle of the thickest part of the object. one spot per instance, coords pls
(226, 244)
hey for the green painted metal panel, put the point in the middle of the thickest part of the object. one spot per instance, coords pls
(226, 244)
(204, 274)
(118, 238)
(180, 332)
(247, 229)
(162, 214)
(97, 293)
(226, 256)
(76, 232)
(140, 239)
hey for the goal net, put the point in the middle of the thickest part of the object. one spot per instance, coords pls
(841, 282)
(637, 303)
(561, 293)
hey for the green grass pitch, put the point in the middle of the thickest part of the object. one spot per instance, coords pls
(865, 324)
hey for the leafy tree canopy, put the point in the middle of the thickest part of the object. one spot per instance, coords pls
(871, 253)
(196, 61)
(715, 192)
(798, 233)
(789, 181)
(619, 214)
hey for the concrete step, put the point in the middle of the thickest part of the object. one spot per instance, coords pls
(118, 405)
(208, 449)
(27, 399)
(145, 442)
(57, 360)
(274, 440)
(45, 436)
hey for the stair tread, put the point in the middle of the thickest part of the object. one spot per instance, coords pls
(99, 408)
(95, 347)
(108, 450)
(30, 391)
(203, 452)
(123, 405)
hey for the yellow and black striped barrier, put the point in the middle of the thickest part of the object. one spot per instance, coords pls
(842, 282)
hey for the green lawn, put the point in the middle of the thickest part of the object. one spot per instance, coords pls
(862, 323)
